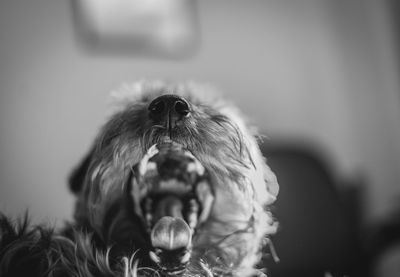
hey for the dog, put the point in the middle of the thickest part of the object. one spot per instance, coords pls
(174, 185)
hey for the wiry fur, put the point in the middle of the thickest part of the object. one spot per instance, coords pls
(40, 251)
(107, 231)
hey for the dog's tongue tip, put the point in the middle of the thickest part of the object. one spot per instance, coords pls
(171, 233)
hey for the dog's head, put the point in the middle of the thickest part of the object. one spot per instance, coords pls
(180, 176)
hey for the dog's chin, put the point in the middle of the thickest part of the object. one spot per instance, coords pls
(172, 194)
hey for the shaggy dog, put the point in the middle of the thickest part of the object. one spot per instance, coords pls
(174, 185)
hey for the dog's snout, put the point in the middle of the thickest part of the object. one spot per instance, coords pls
(170, 108)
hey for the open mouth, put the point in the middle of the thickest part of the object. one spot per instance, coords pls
(173, 196)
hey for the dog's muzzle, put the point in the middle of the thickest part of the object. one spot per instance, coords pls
(171, 192)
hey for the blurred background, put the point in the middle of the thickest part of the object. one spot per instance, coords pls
(319, 77)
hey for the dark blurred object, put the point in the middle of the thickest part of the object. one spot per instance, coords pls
(384, 246)
(151, 28)
(319, 225)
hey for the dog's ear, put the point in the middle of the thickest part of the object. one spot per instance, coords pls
(78, 174)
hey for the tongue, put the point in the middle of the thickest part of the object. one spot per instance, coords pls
(170, 233)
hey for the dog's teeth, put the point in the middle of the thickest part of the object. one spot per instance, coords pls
(149, 220)
(206, 199)
(196, 166)
(154, 257)
(135, 193)
(148, 206)
(207, 205)
(192, 214)
(144, 163)
(186, 257)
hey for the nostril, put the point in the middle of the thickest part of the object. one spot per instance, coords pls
(182, 107)
(157, 107)
(169, 107)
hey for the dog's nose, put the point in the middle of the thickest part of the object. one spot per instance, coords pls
(170, 108)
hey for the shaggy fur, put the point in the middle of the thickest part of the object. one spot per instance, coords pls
(109, 239)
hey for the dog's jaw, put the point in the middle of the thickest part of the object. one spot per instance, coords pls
(229, 239)
(172, 194)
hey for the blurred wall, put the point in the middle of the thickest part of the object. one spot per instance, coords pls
(318, 71)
